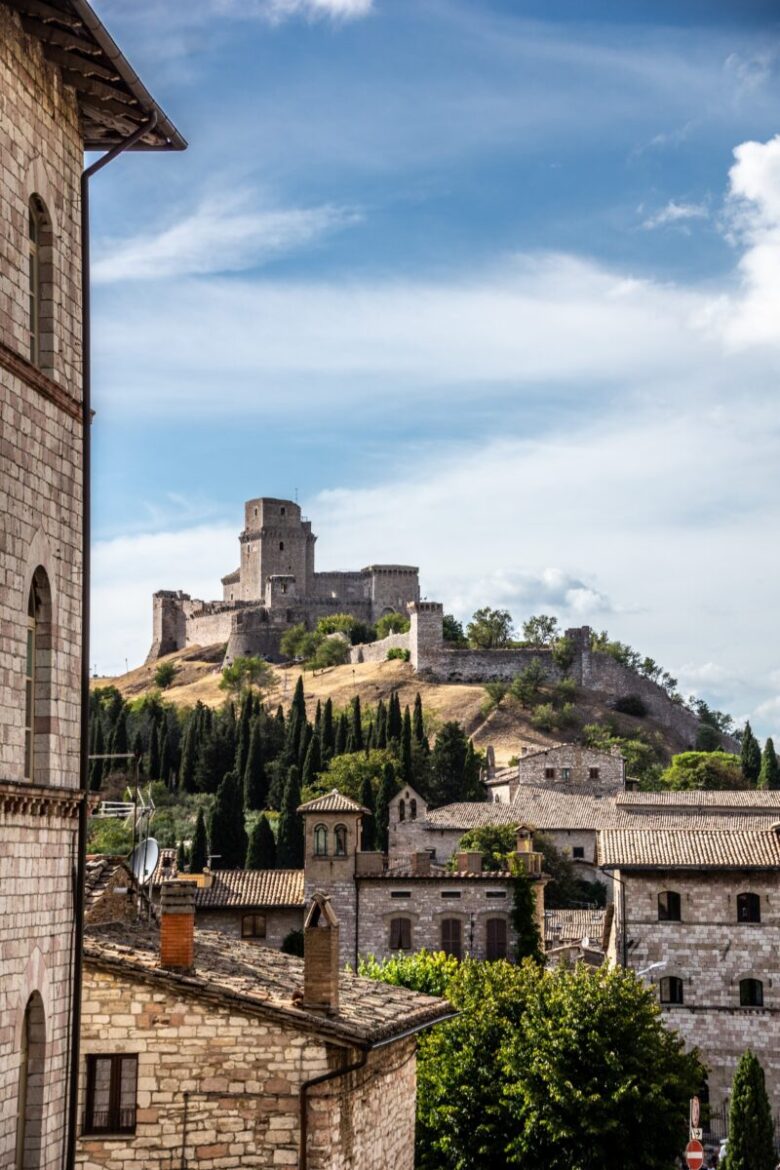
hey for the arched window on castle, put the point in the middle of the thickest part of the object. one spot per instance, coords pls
(671, 990)
(41, 281)
(751, 993)
(29, 1106)
(340, 834)
(320, 841)
(748, 907)
(402, 810)
(37, 680)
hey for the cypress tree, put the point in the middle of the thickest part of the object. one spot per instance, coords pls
(370, 744)
(181, 857)
(138, 753)
(769, 776)
(418, 725)
(307, 735)
(386, 793)
(523, 917)
(367, 826)
(293, 742)
(750, 755)
(328, 732)
(119, 745)
(381, 725)
(357, 725)
(280, 724)
(227, 832)
(243, 733)
(342, 735)
(255, 778)
(153, 763)
(406, 747)
(166, 757)
(199, 851)
(318, 719)
(751, 1132)
(96, 770)
(394, 717)
(472, 785)
(188, 758)
(289, 844)
(299, 700)
(261, 853)
(312, 765)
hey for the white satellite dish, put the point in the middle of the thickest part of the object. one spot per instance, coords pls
(143, 860)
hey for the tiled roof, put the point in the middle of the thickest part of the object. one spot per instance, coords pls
(99, 871)
(252, 887)
(264, 982)
(750, 798)
(167, 867)
(471, 816)
(333, 801)
(680, 848)
(565, 926)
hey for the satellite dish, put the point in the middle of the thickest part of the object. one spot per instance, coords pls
(143, 860)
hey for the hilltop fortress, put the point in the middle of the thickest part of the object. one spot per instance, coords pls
(274, 587)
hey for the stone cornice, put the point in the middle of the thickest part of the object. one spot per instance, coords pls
(34, 378)
(39, 800)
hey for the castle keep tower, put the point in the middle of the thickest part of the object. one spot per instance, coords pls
(276, 541)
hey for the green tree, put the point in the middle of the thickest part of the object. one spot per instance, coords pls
(418, 722)
(495, 842)
(406, 747)
(387, 790)
(153, 762)
(392, 623)
(247, 673)
(528, 943)
(199, 851)
(707, 770)
(227, 832)
(769, 776)
(349, 773)
(489, 629)
(243, 732)
(261, 853)
(526, 687)
(312, 765)
(166, 757)
(394, 717)
(328, 733)
(751, 1131)
(255, 776)
(164, 675)
(289, 843)
(298, 642)
(188, 759)
(750, 756)
(330, 652)
(119, 743)
(450, 777)
(541, 630)
(708, 738)
(356, 724)
(181, 857)
(427, 971)
(452, 630)
(563, 652)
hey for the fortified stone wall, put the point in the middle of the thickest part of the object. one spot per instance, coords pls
(377, 651)
(185, 1044)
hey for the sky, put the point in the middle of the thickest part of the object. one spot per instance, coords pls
(490, 286)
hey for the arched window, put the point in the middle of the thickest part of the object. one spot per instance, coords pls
(29, 1112)
(452, 937)
(751, 993)
(39, 250)
(340, 833)
(669, 906)
(671, 989)
(748, 908)
(37, 679)
(320, 841)
(400, 934)
(495, 938)
(402, 810)
(412, 809)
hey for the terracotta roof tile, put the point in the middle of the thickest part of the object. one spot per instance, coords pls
(252, 887)
(333, 801)
(262, 981)
(681, 848)
(750, 798)
(100, 869)
(566, 926)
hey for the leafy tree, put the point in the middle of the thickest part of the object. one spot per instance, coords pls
(450, 778)
(643, 752)
(367, 825)
(298, 642)
(526, 687)
(98, 748)
(227, 832)
(750, 756)
(289, 843)
(523, 916)
(292, 943)
(255, 777)
(247, 673)
(261, 852)
(769, 776)
(199, 851)
(563, 652)
(452, 630)
(427, 971)
(541, 630)
(489, 629)
(566, 890)
(392, 623)
(164, 675)
(387, 790)
(751, 1131)
(349, 773)
(708, 770)
(495, 842)
(329, 652)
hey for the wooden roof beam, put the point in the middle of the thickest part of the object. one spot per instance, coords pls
(100, 90)
(45, 12)
(78, 64)
(49, 35)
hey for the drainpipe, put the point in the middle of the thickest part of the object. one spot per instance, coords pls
(86, 533)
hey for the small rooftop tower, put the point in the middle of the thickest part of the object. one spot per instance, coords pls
(321, 957)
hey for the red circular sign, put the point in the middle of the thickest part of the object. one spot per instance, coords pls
(694, 1155)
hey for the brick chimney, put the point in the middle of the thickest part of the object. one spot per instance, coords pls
(421, 864)
(321, 957)
(525, 853)
(469, 861)
(177, 925)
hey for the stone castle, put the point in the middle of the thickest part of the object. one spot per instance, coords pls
(274, 587)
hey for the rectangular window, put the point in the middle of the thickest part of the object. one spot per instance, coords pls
(253, 926)
(496, 893)
(451, 894)
(111, 1094)
(452, 937)
(400, 894)
(549, 773)
(495, 947)
(593, 773)
(565, 773)
(578, 852)
(400, 934)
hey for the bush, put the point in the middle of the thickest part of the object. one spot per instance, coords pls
(526, 686)
(330, 652)
(563, 653)
(546, 717)
(630, 705)
(565, 690)
(426, 971)
(292, 943)
(398, 653)
(246, 674)
(164, 675)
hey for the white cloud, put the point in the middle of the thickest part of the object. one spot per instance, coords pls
(755, 224)
(313, 9)
(225, 233)
(676, 214)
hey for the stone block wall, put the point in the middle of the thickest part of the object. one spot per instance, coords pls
(579, 762)
(279, 923)
(243, 1075)
(377, 651)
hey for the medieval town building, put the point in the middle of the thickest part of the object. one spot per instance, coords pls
(64, 88)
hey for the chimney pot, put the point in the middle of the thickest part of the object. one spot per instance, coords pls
(177, 925)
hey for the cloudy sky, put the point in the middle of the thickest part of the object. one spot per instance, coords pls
(492, 286)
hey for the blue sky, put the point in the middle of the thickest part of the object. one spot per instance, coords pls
(492, 286)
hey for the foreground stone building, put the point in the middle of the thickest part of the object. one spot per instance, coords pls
(64, 88)
(201, 1050)
(274, 587)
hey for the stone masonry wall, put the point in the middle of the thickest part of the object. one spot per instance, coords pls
(532, 769)
(278, 923)
(243, 1075)
(711, 952)
(377, 651)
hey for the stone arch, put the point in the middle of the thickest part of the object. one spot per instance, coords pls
(31, 1084)
(41, 278)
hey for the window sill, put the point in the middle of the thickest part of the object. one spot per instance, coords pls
(108, 1136)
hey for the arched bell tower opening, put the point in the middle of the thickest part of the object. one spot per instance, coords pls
(30, 1095)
